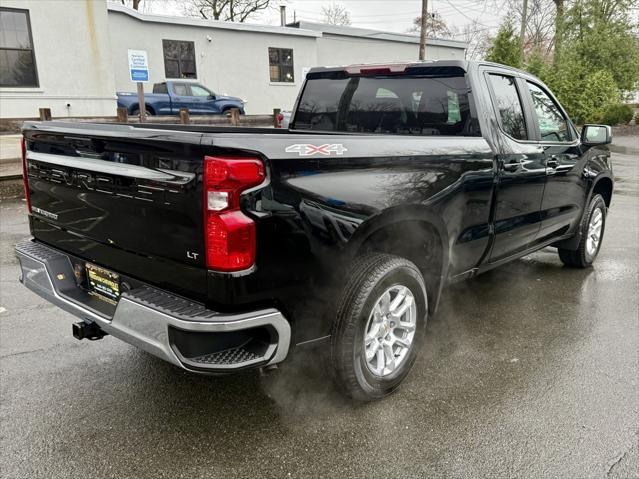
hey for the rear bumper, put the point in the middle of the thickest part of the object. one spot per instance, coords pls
(177, 330)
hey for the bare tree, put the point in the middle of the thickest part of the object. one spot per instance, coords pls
(435, 26)
(336, 14)
(539, 23)
(226, 10)
(477, 38)
(560, 12)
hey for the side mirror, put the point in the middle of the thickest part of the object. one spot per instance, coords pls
(211, 96)
(596, 135)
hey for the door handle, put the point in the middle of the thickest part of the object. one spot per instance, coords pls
(552, 162)
(512, 166)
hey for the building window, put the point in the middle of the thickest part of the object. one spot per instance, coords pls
(280, 62)
(179, 59)
(17, 60)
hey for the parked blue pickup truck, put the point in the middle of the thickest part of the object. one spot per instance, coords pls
(169, 96)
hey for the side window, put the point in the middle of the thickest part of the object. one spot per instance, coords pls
(180, 89)
(509, 106)
(552, 124)
(197, 90)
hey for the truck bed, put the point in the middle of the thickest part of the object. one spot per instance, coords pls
(129, 198)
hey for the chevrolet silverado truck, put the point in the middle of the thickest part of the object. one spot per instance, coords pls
(169, 96)
(220, 249)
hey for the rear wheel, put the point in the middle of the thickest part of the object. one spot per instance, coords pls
(592, 231)
(136, 112)
(380, 326)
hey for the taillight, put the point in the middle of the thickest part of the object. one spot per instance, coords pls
(229, 234)
(25, 177)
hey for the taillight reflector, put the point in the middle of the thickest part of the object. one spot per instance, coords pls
(25, 177)
(228, 233)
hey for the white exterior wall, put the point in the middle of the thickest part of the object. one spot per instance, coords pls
(234, 62)
(342, 50)
(73, 61)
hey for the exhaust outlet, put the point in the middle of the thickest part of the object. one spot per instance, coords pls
(87, 330)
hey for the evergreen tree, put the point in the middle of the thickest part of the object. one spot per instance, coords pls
(506, 48)
(536, 63)
(599, 62)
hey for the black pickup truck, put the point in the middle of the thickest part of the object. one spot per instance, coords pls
(221, 249)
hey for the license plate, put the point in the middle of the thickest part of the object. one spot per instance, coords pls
(103, 283)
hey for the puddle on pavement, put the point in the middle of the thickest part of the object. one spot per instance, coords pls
(625, 150)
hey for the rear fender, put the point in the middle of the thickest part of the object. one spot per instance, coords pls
(396, 215)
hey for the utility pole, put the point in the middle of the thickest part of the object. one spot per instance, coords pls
(422, 33)
(522, 32)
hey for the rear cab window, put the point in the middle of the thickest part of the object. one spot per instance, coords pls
(160, 88)
(424, 101)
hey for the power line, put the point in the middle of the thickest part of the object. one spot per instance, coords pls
(474, 20)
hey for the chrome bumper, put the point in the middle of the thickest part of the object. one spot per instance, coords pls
(145, 316)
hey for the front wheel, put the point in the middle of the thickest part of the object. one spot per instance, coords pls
(592, 232)
(380, 325)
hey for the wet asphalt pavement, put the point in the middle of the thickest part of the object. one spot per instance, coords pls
(531, 370)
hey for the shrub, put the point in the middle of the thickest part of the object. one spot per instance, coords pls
(616, 114)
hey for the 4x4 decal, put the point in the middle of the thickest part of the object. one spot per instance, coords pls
(306, 149)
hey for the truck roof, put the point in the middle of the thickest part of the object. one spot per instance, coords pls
(401, 66)
(181, 80)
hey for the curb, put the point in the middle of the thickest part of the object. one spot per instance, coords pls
(10, 169)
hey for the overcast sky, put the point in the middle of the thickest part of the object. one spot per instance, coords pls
(388, 15)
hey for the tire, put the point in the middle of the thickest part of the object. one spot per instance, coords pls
(588, 247)
(136, 112)
(227, 110)
(359, 314)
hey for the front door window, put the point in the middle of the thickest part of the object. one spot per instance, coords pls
(553, 126)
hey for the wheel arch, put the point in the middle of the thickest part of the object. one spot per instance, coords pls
(229, 106)
(136, 106)
(603, 186)
(415, 233)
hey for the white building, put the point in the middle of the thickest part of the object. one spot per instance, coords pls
(71, 55)
(55, 54)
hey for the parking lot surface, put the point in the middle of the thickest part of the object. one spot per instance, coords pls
(530, 370)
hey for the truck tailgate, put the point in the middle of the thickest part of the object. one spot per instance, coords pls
(128, 199)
